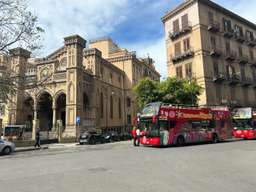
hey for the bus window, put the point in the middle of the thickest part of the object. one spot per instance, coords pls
(163, 125)
(186, 126)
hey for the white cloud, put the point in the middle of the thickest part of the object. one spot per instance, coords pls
(156, 49)
(88, 18)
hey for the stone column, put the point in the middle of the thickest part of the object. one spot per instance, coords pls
(35, 122)
(54, 120)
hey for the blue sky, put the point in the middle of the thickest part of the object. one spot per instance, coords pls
(133, 24)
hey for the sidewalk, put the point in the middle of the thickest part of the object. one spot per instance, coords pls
(46, 146)
(32, 148)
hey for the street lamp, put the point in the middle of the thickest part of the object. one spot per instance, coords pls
(190, 83)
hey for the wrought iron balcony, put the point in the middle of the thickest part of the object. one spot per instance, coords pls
(215, 52)
(243, 59)
(246, 81)
(234, 79)
(228, 33)
(183, 31)
(219, 77)
(230, 55)
(214, 26)
(251, 42)
(240, 38)
(185, 55)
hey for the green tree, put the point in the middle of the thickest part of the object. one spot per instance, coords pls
(147, 91)
(18, 27)
(171, 90)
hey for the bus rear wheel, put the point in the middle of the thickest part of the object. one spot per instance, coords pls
(180, 141)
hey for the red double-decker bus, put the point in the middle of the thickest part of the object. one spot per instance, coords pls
(163, 125)
(244, 122)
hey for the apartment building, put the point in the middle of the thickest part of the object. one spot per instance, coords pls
(215, 47)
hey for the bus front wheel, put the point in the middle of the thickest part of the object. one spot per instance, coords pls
(180, 141)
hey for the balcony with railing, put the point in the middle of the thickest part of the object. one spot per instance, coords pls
(243, 59)
(185, 29)
(214, 26)
(246, 81)
(230, 55)
(183, 56)
(214, 52)
(219, 77)
(240, 37)
(234, 79)
(228, 33)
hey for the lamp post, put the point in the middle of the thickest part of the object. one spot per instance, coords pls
(191, 92)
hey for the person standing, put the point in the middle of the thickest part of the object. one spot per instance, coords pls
(37, 144)
(134, 135)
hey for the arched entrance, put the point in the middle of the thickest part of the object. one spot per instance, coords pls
(61, 109)
(45, 112)
(28, 115)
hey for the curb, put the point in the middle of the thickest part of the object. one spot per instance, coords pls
(29, 149)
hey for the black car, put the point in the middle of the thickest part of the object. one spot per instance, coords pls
(111, 136)
(91, 138)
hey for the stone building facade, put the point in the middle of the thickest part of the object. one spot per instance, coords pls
(214, 46)
(76, 88)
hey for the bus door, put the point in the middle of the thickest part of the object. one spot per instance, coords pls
(186, 131)
(195, 131)
(206, 130)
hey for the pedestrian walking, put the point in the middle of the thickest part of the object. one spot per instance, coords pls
(2, 136)
(134, 135)
(137, 137)
(37, 144)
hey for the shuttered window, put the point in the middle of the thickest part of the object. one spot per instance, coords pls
(177, 49)
(176, 26)
(184, 20)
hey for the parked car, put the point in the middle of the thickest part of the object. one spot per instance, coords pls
(91, 138)
(6, 147)
(111, 136)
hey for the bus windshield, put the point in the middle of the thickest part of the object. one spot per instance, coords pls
(149, 128)
(244, 124)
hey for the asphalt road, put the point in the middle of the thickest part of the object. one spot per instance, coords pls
(120, 167)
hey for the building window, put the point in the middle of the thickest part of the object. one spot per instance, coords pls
(188, 68)
(129, 119)
(186, 44)
(177, 49)
(128, 102)
(111, 78)
(227, 25)
(102, 72)
(184, 20)
(210, 17)
(111, 107)
(179, 72)
(85, 101)
(240, 51)
(213, 42)
(251, 55)
(249, 35)
(101, 105)
(215, 68)
(119, 108)
(242, 72)
(254, 73)
(239, 30)
(176, 26)
(228, 46)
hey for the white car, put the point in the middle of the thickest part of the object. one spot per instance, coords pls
(6, 147)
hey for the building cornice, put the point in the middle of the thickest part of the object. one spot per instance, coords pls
(211, 4)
